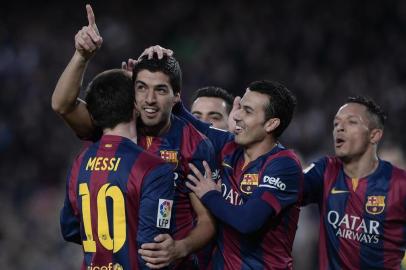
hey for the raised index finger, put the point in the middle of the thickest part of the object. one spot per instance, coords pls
(90, 15)
(91, 19)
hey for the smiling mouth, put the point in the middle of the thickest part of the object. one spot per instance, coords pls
(238, 129)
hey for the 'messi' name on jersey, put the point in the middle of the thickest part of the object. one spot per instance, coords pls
(103, 164)
(354, 227)
(164, 214)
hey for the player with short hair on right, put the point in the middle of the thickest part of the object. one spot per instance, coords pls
(118, 196)
(361, 198)
(257, 201)
(212, 104)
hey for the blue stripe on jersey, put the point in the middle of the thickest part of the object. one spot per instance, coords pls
(70, 224)
(84, 177)
(371, 254)
(217, 259)
(251, 252)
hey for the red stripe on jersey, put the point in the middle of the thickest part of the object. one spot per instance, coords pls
(330, 176)
(152, 147)
(278, 241)
(395, 219)
(272, 201)
(73, 182)
(231, 241)
(355, 208)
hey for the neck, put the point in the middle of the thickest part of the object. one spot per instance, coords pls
(361, 166)
(258, 149)
(156, 130)
(126, 130)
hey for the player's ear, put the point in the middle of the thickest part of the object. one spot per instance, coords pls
(177, 98)
(376, 135)
(272, 124)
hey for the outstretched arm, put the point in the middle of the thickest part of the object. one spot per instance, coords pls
(65, 100)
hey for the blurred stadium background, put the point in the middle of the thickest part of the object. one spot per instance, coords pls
(322, 50)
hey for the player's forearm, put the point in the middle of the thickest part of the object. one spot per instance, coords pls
(246, 218)
(199, 237)
(68, 87)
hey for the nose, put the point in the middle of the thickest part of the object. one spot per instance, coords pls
(150, 97)
(205, 118)
(339, 127)
(237, 115)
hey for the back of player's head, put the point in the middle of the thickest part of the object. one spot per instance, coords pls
(281, 102)
(167, 65)
(216, 92)
(110, 98)
(376, 114)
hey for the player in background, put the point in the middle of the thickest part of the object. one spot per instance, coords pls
(157, 84)
(361, 198)
(257, 201)
(212, 104)
(117, 195)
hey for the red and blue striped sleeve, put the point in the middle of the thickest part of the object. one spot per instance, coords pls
(69, 220)
(158, 185)
(156, 202)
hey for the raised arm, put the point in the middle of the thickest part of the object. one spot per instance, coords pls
(65, 100)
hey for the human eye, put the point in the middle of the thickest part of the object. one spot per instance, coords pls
(216, 118)
(140, 87)
(161, 90)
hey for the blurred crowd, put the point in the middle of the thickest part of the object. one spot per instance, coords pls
(322, 50)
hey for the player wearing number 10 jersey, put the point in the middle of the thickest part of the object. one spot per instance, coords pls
(118, 196)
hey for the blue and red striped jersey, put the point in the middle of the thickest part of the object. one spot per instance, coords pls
(117, 197)
(258, 210)
(362, 221)
(258, 207)
(180, 145)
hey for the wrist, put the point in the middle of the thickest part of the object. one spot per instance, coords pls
(181, 249)
(208, 196)
(80, 58)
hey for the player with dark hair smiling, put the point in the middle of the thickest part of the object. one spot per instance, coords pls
(157, 85)
(257, 201)
(118, 196)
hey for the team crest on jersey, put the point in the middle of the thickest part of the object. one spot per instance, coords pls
(163, 219)
(375, 204)
(170, 156)
(249, 182)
